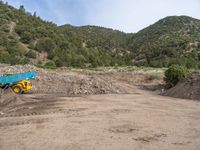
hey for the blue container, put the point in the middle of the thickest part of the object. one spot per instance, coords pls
(14, 78)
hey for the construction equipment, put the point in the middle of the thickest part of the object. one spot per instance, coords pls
(19, 83)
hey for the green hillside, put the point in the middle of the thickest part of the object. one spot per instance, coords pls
(172, 40)
(26, 38)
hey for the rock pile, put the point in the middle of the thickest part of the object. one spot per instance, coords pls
(73, 84)
(66, 82)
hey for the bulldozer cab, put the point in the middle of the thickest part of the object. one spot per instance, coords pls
(21, 86)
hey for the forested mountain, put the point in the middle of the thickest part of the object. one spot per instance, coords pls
(26, 38)
(172, 40)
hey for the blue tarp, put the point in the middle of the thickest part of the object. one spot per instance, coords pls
(13, 78)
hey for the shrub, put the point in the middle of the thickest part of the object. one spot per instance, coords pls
(45, 44)
(3, 39)
(26, 37)
(50, 65)
(24, 61)
(58, 62)
(4, 56)
(153, 77)
(174, 74)
(31, 54)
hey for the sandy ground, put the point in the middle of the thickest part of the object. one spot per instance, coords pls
(137, 121)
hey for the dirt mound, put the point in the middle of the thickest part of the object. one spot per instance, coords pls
(188, 88)
(92, 85)
(67, 82)
(19, 69)
(8, 99)
(73, 84)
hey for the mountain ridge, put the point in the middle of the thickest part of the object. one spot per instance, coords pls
(25, 38)
(173, 37)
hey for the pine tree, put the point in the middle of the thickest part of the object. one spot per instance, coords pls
(35, 14)
(21, 8)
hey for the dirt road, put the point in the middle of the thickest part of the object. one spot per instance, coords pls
(136, 121)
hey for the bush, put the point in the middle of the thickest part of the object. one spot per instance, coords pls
(26, 37)
(3, 39)
(152, 77)
(50, 65)
(24, 61)
(174, 74)
(45, 44)
(31, 54)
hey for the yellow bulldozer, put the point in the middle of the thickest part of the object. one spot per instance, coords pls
(20, 87)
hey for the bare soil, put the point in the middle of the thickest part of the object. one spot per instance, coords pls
(188, 88)
(101, 122)
(97, 112)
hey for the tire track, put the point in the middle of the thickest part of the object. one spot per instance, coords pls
(63, 111)
(25, 122)
(10, 122)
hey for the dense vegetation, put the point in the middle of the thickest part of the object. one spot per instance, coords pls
(174, 74)
(172, 40)
(26, 38)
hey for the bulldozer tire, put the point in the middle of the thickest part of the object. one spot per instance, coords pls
(17, 89)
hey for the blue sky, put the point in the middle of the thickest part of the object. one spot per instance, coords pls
(124, 15)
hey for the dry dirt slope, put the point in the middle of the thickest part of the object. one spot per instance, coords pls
(188, 88)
